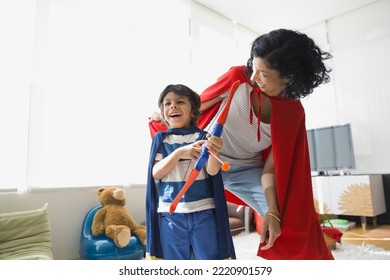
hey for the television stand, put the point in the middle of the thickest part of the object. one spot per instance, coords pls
(363, 220)
(350, 195)
(344, 172)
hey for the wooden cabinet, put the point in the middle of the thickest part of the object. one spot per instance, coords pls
(352, 195)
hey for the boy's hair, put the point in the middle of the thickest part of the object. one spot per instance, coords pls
(182, 90)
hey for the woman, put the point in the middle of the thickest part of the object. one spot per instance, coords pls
(265, 140)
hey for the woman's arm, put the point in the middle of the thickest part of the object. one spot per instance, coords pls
(207, 104)
(271, 225)
(269, 184)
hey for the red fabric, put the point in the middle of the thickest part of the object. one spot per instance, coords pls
(234, 199)
(302, 236)
(333, 233)
(222, 86)
(156, 126)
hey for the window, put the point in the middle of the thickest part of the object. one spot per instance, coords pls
(84, 78)
(16, 52)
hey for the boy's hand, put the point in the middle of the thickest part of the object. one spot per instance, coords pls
(214, 144)
(192, 151)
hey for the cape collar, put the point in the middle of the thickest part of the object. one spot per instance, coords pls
(183, 130)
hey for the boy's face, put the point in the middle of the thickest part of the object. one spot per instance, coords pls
(177, 110)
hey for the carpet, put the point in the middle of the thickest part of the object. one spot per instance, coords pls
(246, 245)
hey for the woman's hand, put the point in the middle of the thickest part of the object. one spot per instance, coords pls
(156, 116)
(270, 230)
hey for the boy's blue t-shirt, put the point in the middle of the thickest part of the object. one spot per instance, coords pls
(200, 195)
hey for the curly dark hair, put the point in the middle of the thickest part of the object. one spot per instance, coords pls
(292, 54)
(182, 90)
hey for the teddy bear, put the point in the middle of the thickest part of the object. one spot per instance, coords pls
(114, 220)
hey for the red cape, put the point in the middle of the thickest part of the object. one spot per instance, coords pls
(301, 237)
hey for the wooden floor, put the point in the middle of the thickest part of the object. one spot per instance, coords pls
(373, 235)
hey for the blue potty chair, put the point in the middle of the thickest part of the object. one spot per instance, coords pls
(103, 248)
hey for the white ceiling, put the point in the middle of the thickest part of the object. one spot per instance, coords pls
(265, 15)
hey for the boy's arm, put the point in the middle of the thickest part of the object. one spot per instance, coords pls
(212, 166)
(163, 167)
(214, 144)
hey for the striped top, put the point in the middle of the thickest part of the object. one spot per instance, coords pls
(199, 196)
(240, 144)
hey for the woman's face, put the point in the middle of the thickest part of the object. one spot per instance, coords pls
(268, 80)
(177, 110)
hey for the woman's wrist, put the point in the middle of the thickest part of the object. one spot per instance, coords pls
(274, 214)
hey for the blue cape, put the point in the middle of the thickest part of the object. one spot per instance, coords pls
(153, 243)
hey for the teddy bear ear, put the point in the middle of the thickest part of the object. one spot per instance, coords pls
(100, 190)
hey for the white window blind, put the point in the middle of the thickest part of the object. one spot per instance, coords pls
(84, 76)
(17, 20)
(92, 95)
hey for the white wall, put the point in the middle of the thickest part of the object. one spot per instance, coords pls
(359, 42)
(67, 209)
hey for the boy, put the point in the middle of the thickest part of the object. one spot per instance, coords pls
(199, 228)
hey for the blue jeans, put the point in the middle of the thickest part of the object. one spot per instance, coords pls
(186, 236)
(245, 183)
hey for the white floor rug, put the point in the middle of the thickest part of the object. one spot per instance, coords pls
(246, 246)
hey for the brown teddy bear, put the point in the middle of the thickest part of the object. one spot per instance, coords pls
(114, 220)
